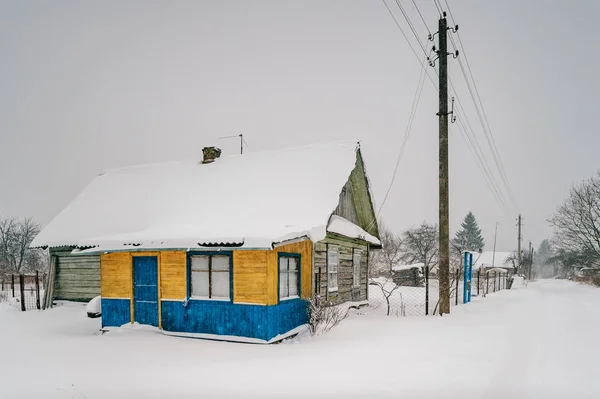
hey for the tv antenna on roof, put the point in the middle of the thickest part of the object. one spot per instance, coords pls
(242, 141)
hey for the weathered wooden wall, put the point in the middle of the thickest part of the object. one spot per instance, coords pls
(77, 277)
(359, 188)
(345, 206)
(346, 292)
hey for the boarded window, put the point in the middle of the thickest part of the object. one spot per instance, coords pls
(289, 281)
(356, 260)
(332, 268)
(210, 276)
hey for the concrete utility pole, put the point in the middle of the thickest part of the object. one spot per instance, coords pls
(530, 259)
(519, 245)
(494, 253)
(444, 216)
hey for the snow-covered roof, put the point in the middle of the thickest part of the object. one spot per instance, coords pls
(487, 258)
(251, 200)
(398, 268)
(346, 228)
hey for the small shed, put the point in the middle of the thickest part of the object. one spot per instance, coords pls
(228, 248)
(409, 275)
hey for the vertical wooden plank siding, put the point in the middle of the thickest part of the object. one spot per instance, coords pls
(115, 275)
(173, 275)
(304, 248)
(272, 278)
(346, 247)
(359, 188)
(250, 277)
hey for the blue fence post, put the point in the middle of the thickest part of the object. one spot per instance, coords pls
(466, 276)
(470, 274)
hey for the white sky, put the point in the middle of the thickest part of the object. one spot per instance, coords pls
(86, 87)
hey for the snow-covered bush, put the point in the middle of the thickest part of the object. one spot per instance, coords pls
(323, 316)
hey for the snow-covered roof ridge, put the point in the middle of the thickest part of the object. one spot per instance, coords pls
(339, 225)
(255, 198)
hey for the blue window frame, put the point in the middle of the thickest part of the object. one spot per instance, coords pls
(210, 275)
(290, 276)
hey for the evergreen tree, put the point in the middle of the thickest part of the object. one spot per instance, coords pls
(469, 237)
(544, 252)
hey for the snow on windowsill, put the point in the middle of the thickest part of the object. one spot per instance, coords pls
(289, 298)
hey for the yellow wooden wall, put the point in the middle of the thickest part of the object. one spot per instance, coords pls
(116, 275)
(250, 277)
(173, 274)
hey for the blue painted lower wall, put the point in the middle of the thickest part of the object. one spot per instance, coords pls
(115, 312)
(226, 318)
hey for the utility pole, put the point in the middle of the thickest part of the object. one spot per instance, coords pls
(530, 259)
(444, 213)
(494, 254)
(519, 245)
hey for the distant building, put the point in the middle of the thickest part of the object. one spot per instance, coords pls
(488, 260)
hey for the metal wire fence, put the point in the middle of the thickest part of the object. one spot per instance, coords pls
(22, 291)
(415, 291)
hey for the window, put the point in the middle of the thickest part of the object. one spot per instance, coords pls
(210, 276)
(356, 260)
(332, 268)
(289, 276)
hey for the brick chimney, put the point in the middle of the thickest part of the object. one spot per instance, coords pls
(209, 154)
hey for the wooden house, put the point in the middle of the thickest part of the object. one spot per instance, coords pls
(228, 247)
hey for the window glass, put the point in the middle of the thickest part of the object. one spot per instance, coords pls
(332, 268)
(356, 260)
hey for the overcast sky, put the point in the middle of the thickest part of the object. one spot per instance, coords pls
(91, 86)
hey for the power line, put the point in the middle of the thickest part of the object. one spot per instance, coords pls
(411, 26)
(439, 9)
(475, 148)
(409, 43)
(488, 131)
(483, 167)
(421, 15)
(413, 112)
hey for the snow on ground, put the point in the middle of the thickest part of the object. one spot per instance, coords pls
(535, 342)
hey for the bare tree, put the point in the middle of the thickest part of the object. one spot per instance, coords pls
(577, 224)
(15, 238)
(387, 288)
(384, 259)
(420, 245)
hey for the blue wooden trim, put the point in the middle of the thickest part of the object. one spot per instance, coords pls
(289, 255)
(115, 312)
(205, 253)
(226, 318)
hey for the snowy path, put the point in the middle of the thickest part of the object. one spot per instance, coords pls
(537, 342)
